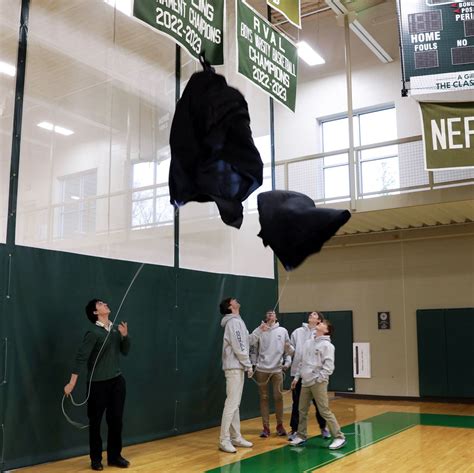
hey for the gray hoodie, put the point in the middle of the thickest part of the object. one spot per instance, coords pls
(269, 349)
(235, 347)
(317, 362)
(298, 339)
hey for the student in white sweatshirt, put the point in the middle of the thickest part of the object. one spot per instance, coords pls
(271, 352)
(315, 367)
(298, 339)
(235, 361)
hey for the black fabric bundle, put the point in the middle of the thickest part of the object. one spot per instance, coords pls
(293, 227)
(213, 156)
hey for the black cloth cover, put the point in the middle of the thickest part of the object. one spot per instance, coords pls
(213, 156)
(293, 227)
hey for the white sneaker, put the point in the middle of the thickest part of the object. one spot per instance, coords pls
(297, 441)
(226, 446)
(241, 442)
(337, 443)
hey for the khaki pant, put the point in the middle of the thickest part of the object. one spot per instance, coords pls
(230, 425)
(318, 392)
(263, 380)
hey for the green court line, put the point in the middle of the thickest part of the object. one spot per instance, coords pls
(359, 435)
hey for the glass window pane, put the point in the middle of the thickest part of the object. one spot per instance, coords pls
(380, 175)
(263, 144)
(376, 127)
(143, 174)
(142, 213)
(336, 182)
(377, 153)
(336, 159)
(162, 171)
(164, 210)
(336, 134)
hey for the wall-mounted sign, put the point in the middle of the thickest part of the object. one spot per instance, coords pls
(361, 360)
(266, 57)
(290, 9)
(437, 45)
(383, 320)
(196, 25)
(448, 135)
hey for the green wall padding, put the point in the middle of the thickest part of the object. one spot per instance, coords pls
(432, 370)
(445, 352)
(175, 383)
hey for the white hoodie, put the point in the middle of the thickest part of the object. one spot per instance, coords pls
(235, 347)
(268, 350)
(298, 339)
(317, 362)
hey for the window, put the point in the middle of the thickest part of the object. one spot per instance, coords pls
(77, 214)
(263, 144)
(378, 167)
(150, 195)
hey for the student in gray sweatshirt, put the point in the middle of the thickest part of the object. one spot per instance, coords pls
(315, 367)
(235, 361)
(298, 339)
(271, 352)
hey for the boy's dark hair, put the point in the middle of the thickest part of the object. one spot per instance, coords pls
(320, 315)
(90, 310)
(330, 327)
(224, 306)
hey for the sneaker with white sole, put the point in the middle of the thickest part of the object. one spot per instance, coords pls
(241, 442)
(227, 447)
(325, 434)
(292, 436)
(337, 443)
(297, 441)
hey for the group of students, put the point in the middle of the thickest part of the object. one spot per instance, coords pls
(264, 355)
(309, 353)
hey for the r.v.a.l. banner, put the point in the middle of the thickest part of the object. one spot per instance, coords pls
(196, 25)
(266, 57)
(448, 135)
(290, 9)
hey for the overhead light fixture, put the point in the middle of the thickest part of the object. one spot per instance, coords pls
(75, 197)
(57, 129)
(308, 54)
(125, 6)
(340, 10)
(7, 69)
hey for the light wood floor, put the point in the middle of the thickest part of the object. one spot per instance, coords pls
(197, 452)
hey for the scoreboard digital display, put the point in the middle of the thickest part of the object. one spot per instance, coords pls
(437, 44)
(425, 22)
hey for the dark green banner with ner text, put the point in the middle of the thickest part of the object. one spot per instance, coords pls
(448, 134)
(196, 25)
(265, 56)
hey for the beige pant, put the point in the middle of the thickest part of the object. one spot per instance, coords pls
(318, 391)
(230, 425)
(276, 380)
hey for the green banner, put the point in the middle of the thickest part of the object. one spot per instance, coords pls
(290, 9)
(265, 56)
(196, 25)
(448, 134)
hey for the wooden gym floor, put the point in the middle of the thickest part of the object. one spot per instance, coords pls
(382, 437)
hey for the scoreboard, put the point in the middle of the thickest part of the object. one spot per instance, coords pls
(437, 39)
